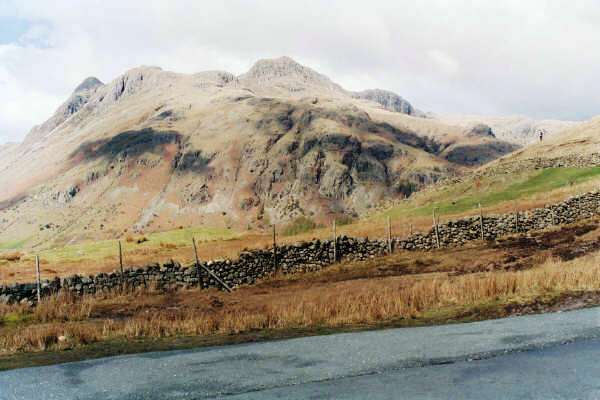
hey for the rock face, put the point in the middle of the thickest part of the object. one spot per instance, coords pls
(389, 100)
(482, 130)
(310, 256)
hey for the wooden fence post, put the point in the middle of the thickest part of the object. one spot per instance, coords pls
(334, 242)
(516, 220)
(197, 261)
(481, 221)
(210, 272)
(38, 279)
(389, 235)
(275, 266)
(410, 232)
(435, 227)
(121, 266)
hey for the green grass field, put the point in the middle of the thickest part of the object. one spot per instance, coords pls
(16, 244)
(492, 191)
(106, 248)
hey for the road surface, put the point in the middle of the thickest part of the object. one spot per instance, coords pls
(551, 356)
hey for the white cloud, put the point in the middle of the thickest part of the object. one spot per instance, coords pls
(443, 63)
(512, 57)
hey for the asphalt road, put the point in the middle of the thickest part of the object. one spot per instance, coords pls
(552, 356)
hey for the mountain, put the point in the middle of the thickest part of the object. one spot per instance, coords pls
(514, 129)
(154, 150)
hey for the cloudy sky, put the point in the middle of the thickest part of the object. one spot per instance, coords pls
(536, 58)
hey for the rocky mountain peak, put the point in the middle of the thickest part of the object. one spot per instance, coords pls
(284, 71)
(277, 67)
(135, 80)
(88, 84)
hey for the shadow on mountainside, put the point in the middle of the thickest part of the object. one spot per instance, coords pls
(478, 154)
(128, 143)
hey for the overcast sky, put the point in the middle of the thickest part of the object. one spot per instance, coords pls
(536, 58)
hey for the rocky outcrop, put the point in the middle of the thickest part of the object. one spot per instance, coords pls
(389, 100)
(482, 130)
(66, 195)
(339, 164)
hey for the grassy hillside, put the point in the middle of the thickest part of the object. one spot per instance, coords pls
(493, 191)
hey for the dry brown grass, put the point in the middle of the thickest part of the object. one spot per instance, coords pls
(63, 307)
(64, 322)
(54, 336)
(11, 257)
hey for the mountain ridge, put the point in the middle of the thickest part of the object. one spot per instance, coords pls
(161, 149)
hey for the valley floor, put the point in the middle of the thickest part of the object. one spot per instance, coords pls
(550, 270)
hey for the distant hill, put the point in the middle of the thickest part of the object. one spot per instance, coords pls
(514, 129)
(578, 142)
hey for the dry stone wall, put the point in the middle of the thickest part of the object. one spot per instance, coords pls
(253, 265)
